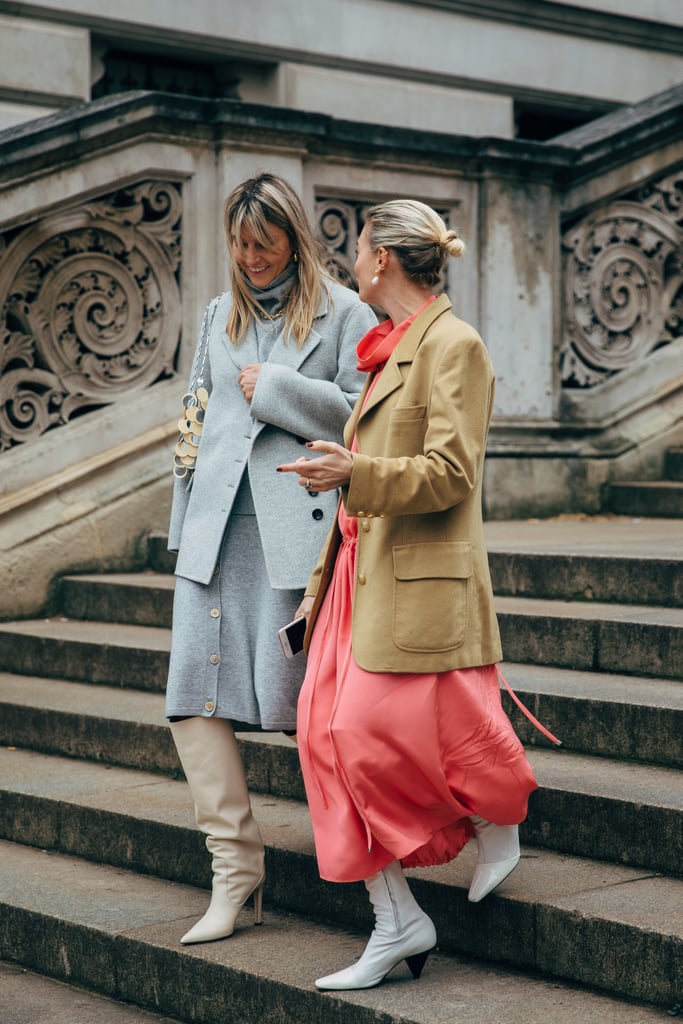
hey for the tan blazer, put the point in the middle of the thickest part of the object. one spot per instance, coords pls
(422, 597)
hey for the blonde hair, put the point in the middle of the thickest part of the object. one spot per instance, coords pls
(416, 234)
(258, 204)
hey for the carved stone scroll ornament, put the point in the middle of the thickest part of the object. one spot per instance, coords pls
(339, 224)
(89, 307)
(623, 273)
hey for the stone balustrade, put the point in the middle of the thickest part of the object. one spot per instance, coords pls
(111, 243)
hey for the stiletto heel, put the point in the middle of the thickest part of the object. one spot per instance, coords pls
(417, 962)
(258, 904)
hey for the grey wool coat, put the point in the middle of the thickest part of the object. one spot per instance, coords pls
(302, 394)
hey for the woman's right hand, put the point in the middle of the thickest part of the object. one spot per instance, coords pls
(327, 472)
(305, 608)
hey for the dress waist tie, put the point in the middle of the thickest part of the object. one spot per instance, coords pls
(525, 711)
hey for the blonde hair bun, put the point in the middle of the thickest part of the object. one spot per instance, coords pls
(452, 243)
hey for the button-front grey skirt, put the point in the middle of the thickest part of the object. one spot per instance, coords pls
(226, 659)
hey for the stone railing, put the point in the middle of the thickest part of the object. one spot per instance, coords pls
(111, 244)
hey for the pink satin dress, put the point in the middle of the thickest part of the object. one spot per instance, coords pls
(394, 764)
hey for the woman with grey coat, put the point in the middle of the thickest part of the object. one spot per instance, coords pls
(275, 367)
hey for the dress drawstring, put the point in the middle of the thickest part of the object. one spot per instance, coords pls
(525, 711)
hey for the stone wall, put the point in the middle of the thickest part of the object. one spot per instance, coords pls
(446, 65)
(111, 244)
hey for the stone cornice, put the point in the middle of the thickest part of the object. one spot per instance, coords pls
(112, 121)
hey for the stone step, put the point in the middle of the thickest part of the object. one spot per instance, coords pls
(610, 560)
(95, 926)
(593, 636)
(589, 636)
(584, 806)
(140, 599)
(646, 498)
(588, 558)
(605, 714)
(588, 578)
(30, 998)
(118, 726)
(111, 653)
(557, 914)
(614, 716)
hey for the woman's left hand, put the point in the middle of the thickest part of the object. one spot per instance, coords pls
(247, 379)
(327, 472)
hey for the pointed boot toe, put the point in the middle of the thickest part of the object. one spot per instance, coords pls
(488, 876)
(207, 931)
(219, 920)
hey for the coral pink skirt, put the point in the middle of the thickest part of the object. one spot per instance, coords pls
(395, 764)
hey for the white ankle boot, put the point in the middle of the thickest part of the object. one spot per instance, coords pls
(213, 767)
(402, 932)
(497, 856)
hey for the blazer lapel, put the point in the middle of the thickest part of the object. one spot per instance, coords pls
(350, 428)
(391, 377)
(410, 342)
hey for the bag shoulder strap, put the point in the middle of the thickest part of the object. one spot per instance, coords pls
(203, 348)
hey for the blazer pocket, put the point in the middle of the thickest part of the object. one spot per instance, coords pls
(407, 412)
(430, 595)
(407, 430)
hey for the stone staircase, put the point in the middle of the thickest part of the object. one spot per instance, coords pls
(102, 869)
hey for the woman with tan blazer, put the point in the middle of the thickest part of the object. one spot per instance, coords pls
(405, 748)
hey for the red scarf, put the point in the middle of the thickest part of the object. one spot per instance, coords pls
(375, 347)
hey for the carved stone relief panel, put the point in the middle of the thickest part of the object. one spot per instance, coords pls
(623, 277)
(89, 307)
(340, 222)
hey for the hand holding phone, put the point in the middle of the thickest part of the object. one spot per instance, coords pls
(292, 637)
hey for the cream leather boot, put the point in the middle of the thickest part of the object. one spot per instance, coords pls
(497, 856)
(402, 932)
(213, 767)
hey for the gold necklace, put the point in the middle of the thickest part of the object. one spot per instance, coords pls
(272, 317)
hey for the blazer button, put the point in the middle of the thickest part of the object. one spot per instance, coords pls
(362, 580)
(317, 513)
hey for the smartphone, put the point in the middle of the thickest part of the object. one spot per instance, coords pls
(292, 637)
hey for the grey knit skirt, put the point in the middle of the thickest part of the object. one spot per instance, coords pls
(226, 659)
